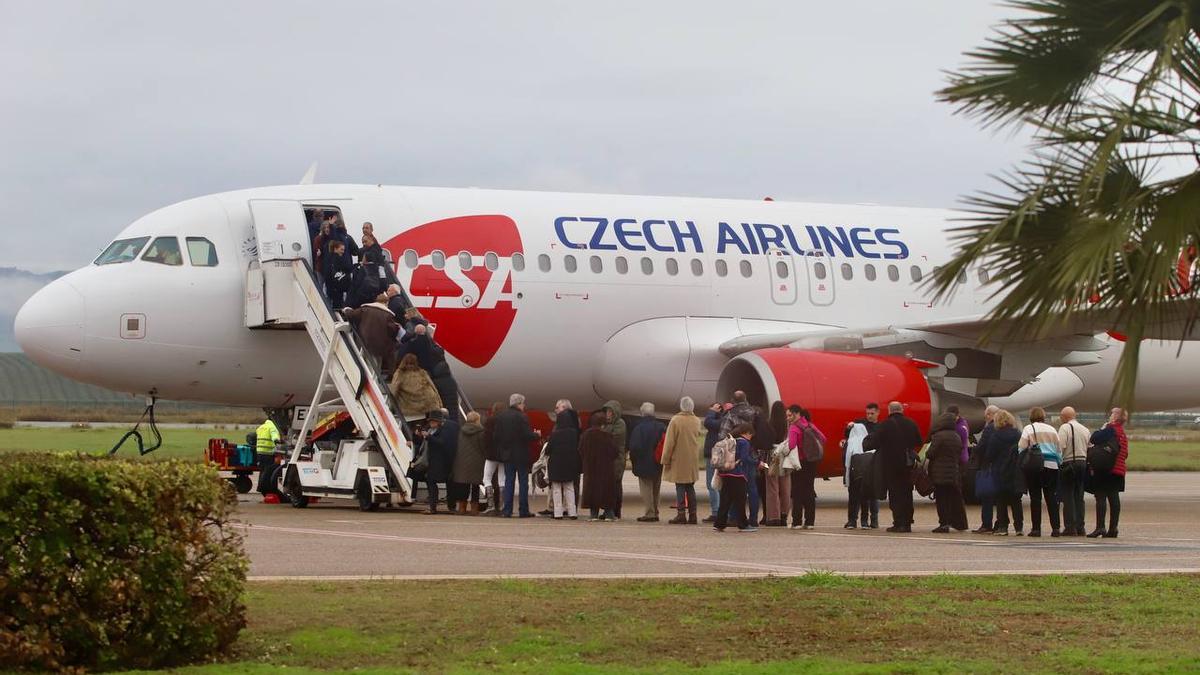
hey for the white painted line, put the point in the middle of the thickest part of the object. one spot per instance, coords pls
(719, 575)
(619, 555)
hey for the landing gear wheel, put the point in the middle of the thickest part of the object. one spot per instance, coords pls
(243, 483)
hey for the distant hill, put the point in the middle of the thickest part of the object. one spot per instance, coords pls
(16, 285)
(23, 382)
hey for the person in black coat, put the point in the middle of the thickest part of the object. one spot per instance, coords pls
(944, 455)
(441, 442)
(1001, 458)
(979, 460)
(643, 441)
(565, 464)
(896, 440)
(512, 435)
(432, 358)
(598, 451)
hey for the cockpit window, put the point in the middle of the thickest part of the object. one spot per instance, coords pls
(201, 252)
(164, 251)
(122, 251)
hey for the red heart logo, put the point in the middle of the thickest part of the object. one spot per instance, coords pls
(472, 308)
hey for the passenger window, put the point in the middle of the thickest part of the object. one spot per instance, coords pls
(915, 272)
(518, 262)
(869, 272)
(893, 273)
(647, 266)
(164, 251)
(544, 262)
(570, 264)
(411, 259)
(781, 269)
(491, 262)
(121, 251)
(746, 268)
(983, 276)
(697, 267)
(201, 252)
(596, 264)
(722, 268)
(672, 266)
(438, 259)
(464, 260)
(819, 270)
(847, 271)
(622, 265)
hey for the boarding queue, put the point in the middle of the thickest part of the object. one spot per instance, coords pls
(757, 474)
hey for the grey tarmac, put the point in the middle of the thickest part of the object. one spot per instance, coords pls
(1160, 532)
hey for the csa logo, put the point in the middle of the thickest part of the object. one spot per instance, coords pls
(473, 308)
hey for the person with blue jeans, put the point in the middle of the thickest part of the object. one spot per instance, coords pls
(512, 435)
(712, 427)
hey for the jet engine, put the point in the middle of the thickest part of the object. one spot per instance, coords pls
(835, 387)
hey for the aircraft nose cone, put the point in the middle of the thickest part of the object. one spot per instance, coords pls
(49, 328)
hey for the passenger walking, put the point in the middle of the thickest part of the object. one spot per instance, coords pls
(777, 481)
(565, 463)
(681, 453)
(1072, 473)
(512, 435)
(1010, 485)
(338, 273)
(979, 457)
(413, 390)
(712, 428)
(896, 440)
(1040, 441)
(598, 451)
(1108, 484)
(468, 464)
(735, 479)
(860, 503)
(807, 439)
(944, 455)
(377, 328)
(643, 443)
(441, 442)
(764, 442)
(615, 425)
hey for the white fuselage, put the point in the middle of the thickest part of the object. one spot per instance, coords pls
(582, 296)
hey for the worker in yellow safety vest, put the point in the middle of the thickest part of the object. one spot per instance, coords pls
(268, 438)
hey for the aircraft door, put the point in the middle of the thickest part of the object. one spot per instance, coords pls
(820, 278)
(281, 229)
(782, 273)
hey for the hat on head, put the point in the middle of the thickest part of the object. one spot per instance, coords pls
(435, 415)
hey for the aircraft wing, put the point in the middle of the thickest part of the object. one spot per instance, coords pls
(1012, 356)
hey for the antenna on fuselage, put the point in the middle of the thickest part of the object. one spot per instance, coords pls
(310, 175)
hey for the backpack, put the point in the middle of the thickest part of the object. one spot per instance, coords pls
(724, 454)
(812, 447)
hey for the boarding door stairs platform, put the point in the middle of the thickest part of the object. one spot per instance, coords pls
(282, 292)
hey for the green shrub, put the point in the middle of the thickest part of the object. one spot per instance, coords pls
(110, 563)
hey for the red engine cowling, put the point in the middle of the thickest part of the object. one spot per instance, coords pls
(835, 387)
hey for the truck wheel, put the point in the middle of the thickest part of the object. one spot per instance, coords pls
(243, 483)
(292, 489)
(366, 499)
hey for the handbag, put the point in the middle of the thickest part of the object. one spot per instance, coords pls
(986, 485)
(1031, 458)
(420, 464)
(921, 480)
(1103, 458)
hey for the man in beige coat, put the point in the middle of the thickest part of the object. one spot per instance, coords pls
(681, 459)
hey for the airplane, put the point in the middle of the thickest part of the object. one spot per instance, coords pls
(587, 297)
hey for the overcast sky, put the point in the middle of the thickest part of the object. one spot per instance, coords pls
(110, 110)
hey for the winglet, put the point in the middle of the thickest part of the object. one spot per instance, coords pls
(310, 175)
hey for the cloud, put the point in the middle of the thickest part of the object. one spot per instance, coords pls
(110, 110)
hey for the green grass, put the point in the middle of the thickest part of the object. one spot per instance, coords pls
(1164, 456)
(177, 443)
(826, 623)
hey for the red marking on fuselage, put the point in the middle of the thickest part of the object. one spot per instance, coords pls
(473, 308)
